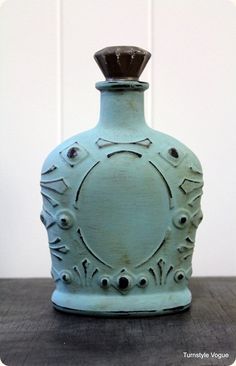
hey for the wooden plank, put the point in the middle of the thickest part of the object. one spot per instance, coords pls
(32, 333)
(28, 113)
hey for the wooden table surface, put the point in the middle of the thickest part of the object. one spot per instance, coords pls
(33, 333)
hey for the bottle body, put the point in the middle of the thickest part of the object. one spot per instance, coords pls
(121, 204)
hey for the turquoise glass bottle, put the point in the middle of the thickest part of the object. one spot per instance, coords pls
(121, 205)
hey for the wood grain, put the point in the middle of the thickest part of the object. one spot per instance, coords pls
(33, 333)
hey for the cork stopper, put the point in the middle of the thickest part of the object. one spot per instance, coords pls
(122, 62)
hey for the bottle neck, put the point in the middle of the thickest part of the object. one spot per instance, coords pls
(122, 108)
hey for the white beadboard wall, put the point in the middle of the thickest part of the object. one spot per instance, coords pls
(47, 76)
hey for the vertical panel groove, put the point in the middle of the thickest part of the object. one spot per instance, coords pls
(59, 72)
(150, 48)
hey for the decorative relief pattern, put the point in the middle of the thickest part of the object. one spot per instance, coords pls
(57, 250)
(73, 154)
(50, 200)
(181, 218)
(105, 143)
(197, 218)
(160, 272)
(62, 249)
(173, 156)
(179, 276)
(56, 185)
(65, 219)
(124, 151)
(189, 185)
(123, 281)
(185, 250)
(188, 219)
(194, 169)
(85, 272)
(47, 219)
(158, 268)
(49, 170)
(195, 201)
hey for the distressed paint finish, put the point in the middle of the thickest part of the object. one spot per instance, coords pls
(121, 204)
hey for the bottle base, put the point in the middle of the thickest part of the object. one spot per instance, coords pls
(148, 305)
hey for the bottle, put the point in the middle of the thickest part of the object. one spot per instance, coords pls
(121, 205)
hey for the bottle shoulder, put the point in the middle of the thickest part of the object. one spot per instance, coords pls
(173, 147)
(55, 156)
(93, 143)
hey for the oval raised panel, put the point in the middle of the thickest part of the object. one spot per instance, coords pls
(123, 210)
